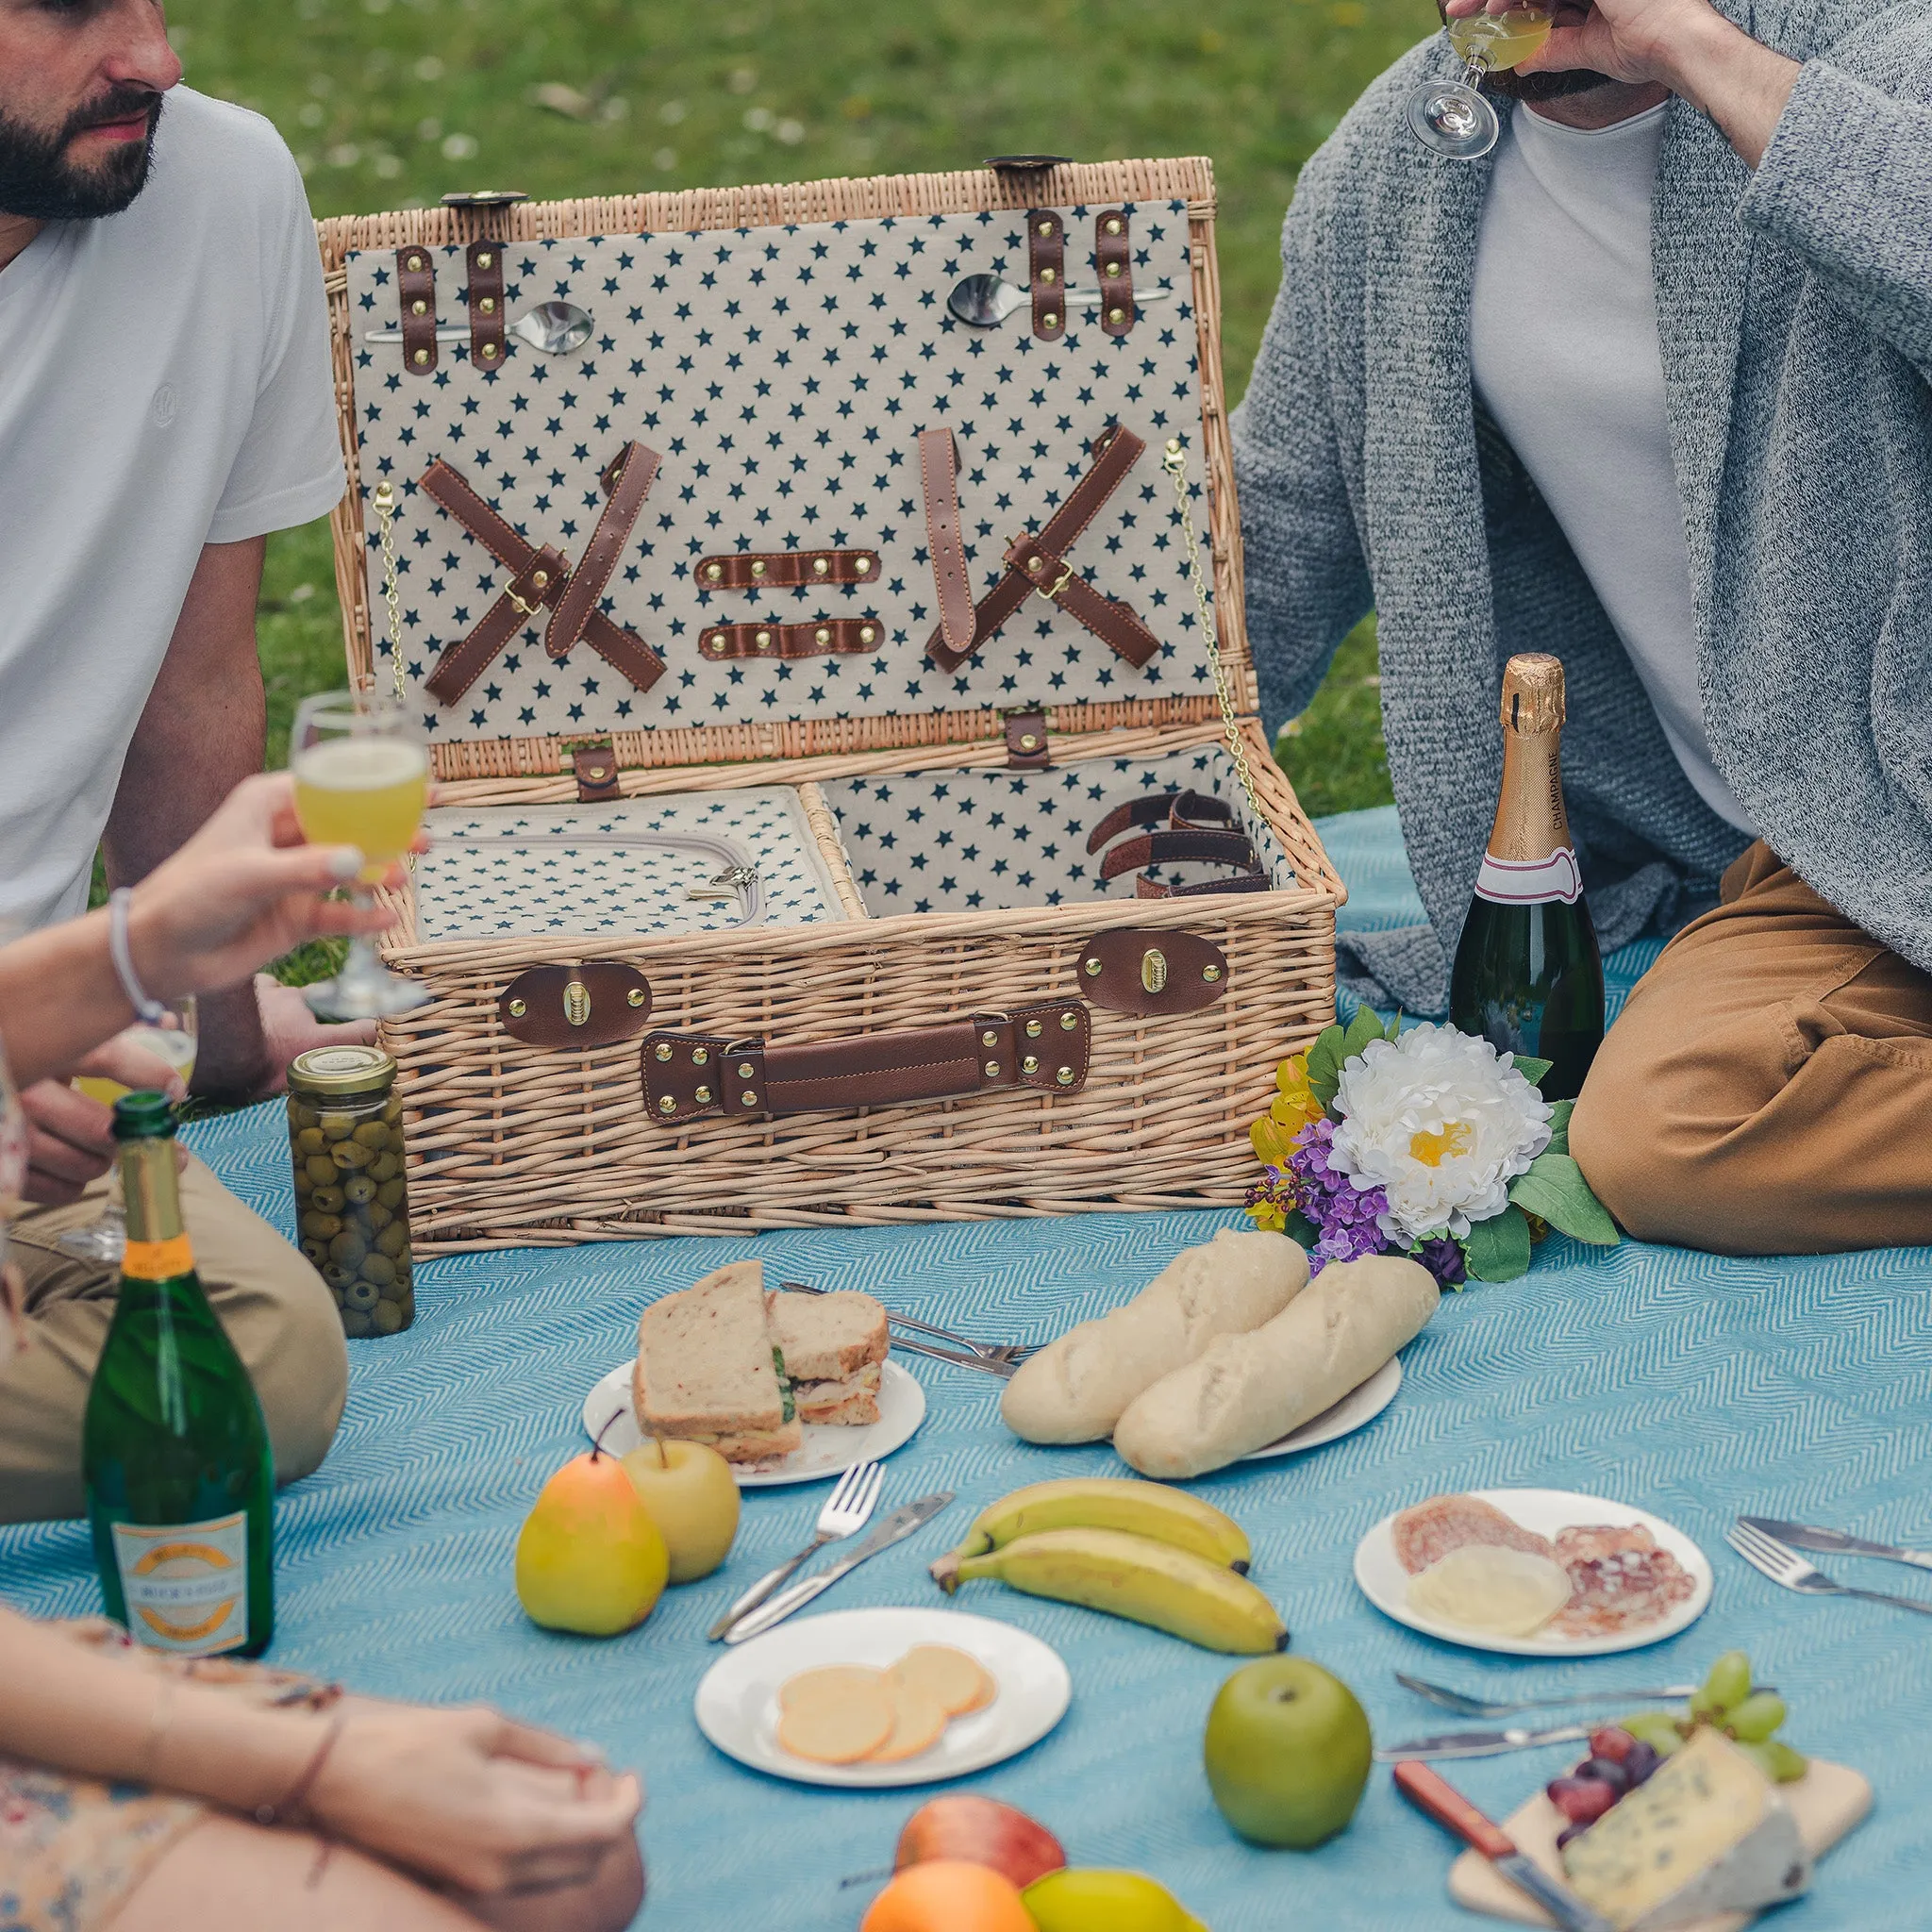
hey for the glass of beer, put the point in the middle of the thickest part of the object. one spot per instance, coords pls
(1451, 116)
(361, 773)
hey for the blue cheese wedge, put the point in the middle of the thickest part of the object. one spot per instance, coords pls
(1706, 1834)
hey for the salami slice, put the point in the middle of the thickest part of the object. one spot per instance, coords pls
(1428, 1532)
(1620, 1579)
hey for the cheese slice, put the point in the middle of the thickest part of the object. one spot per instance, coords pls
(1707, 1833)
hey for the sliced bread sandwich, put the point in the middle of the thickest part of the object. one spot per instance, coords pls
(834, 1347)
(706, 1370)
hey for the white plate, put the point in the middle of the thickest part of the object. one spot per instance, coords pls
(737, 1700)
(1385, 1582)
(825, 1452)
(1361, 1404)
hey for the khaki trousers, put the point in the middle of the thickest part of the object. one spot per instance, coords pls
(1767, 1089)
(276, 1309)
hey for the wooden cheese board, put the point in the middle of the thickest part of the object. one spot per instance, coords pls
(1827, 1802)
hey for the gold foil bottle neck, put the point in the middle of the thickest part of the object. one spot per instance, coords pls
(1533, 694)
(150, 1191)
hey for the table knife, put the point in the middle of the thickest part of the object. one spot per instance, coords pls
(1441, 1801)
(898, 1525)
(1482, 1744)
(1806, 1536)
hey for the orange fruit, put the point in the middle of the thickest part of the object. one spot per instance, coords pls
(948, 1896)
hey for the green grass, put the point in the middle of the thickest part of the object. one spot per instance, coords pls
(391, 102)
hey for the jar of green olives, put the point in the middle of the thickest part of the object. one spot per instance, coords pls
(351, 1203)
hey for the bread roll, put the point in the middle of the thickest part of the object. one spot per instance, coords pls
(1248, 1391)
(1074, 1389)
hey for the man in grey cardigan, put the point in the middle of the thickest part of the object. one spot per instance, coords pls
(1650, 389)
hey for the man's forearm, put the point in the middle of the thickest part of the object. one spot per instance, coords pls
(1742, 84)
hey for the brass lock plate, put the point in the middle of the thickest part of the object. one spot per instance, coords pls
(574, 1007)
(1145, 972)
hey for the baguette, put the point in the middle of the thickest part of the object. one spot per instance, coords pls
(1076, 1388)
(1247, 1390)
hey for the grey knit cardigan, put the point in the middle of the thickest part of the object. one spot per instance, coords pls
(1796, 313)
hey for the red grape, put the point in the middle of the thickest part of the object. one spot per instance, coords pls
(1608, 1772)
(1612, 1744)
(1642, 1761)
(1582, 1800)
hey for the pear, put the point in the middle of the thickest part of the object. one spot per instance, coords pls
(589, 1558)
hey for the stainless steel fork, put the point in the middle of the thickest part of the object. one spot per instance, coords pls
(847, 1509)
(1783, 1565)
(1012, 1353)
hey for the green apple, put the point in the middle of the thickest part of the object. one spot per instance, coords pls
(688, 1489)
(1087, 1899)
(1287, 1751)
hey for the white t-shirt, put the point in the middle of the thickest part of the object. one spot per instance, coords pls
(164, 384)
(1564, 341)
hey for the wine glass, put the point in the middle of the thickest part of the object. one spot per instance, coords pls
(172, 1040)
(1451, 116)
(361, 779)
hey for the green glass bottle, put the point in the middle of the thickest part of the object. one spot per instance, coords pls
(179, 1475)
(1528, 977)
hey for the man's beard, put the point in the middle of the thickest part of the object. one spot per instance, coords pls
(36, 181)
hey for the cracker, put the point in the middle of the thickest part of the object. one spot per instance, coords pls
(918, 1719)
(829, 1684)
(839, 1730)
(956, 1680)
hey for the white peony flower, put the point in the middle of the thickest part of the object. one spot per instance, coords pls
(1443, 1122)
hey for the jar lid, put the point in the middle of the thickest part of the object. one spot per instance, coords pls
(333, 1072)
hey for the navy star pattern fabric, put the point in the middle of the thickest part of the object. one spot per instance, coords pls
(783, 375)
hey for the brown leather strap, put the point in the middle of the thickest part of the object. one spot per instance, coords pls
(1183, 810)
(595, 768)
(1178, 848)
(1116, 625)
(1046, 270)
(938, 476)
(785, 569)
(1043, 1047)
(1255, 881)
(1114, 453)
(416, 289)
(1026, 745)
(488, 343)
(627, 482)
(830, 637)
(1113, 258)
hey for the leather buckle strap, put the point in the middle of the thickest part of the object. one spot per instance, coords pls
(416, 289)
(945, 543)
(1026, 747)
(1181, 810)
(488, 342)
(543, 578)
(1044, 1048)
(594, 767)
(1253, 881)
(1114, 453)
(834, 637)
(1178, 848)
(785, 569)
(1113, 256)
(1046, 270)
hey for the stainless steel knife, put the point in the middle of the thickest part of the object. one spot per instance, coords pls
(1806, 1536)
(895, 1529)
(1481, 1743)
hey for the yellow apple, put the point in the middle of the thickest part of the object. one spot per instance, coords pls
(693, 1497)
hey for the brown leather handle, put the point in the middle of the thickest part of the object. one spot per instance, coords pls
(1043, 1047)
(1438, 1799)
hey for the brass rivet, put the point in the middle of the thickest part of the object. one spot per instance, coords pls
(1154, 969)
(1114, 267)
(700, 1056)
(714, 572)
(415, 262)
(866, 633)
(636, 997)
(1030, 1064)
(764, 640)
(1036, 565)
(747, 1098)
(1046, 275)
(518, 1008)
(1067, 1022)
(1210, 973)
(819, 566)
(1049, 320)
(667, 1104)
(703, 1096)
(989, 1038)
(1116, 315)
(1028, 741)
(420, 357)
(1033, 1029)
(823, 635)
(993, 1070)
(490, 352)
(488, 305)
(539, 579)
(662, 1050)
(1113, 224)
(757, 570)
(418, 309)
(747, 1070)
(715, 643)
(1094, 969)
(862, 567)
(1046, 227)
(1065, 1076)
(485, 259)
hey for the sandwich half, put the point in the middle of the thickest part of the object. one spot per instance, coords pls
(705, 1371)
(834, 1348)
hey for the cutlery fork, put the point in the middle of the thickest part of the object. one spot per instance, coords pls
(847, 1510)
(1012, 1353)
(1783, 1565)
(1477, 1706)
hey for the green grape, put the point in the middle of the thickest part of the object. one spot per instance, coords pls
(1777, 1760)
(1758, 1717)
(1657, 1728)
(1728, 1684)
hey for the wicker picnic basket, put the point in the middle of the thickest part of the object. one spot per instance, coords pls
(1037, 1034)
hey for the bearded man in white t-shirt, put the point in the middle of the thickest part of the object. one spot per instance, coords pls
(1650, 389)
(165, 402)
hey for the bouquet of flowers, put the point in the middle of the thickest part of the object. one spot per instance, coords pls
(1429, 1144)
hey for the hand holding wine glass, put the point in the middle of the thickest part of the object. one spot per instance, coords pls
(1451, 116)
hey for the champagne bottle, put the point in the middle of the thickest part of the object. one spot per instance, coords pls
(1528, 977)
(180, 1479)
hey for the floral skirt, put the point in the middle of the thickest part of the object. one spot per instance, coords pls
(73, 1850)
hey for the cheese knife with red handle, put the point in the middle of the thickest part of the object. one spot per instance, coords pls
(1440, 1800)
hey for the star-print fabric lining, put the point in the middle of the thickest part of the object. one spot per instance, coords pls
(980, 841)
(783, 376)
(537, 871)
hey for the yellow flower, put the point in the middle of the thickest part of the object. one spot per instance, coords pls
(1270, 1144)
(1295, 1107)
(1268, 1218)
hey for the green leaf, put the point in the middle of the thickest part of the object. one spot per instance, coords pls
(1555, 1189)
(1324, 1064)
(1531, 1069)
(1301, 1229)
(1498, 1249)
(1365, 1027)
(1559, 1128)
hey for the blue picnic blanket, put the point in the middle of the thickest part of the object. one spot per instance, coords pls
(1694, 1387)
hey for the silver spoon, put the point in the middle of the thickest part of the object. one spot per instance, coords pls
(986, 300)
(552, 329)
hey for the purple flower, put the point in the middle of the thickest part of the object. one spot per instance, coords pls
(1444, 1259)
(1343, 1215)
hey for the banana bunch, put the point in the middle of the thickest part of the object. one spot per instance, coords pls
(1144, 1551)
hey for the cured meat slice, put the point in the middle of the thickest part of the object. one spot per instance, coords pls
(1620, 1581)
(1428, 1532)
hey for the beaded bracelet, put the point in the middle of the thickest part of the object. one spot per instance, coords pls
(145, 1004)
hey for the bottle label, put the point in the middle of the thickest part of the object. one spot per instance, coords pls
(186, 1584)
(158, 1261)
(1530, 882)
